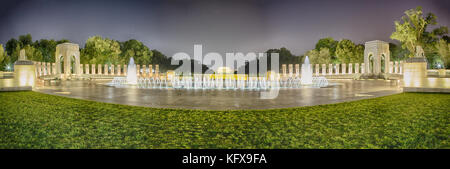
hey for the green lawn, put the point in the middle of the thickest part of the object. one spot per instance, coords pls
(407, 120)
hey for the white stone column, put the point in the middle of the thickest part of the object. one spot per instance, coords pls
(391, 67)
(38, 68)
(81, 69)
(106, 70)
(144, 70)
(93, 69)
(330, 69)
(138, 70)
(350, 68)
(283, 68)
(357, 68)
(86, 69)
(53, 69)
(396, 67)
(363, 68)
(291, 70)
(157, 70)
(343, 71)
(49, 69)
(324, 69)
(150, 70)
(113, 71)
(337, 69)
(297, 70)
(99, 69)
(119, 70)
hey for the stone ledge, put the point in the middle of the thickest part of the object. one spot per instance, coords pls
(426, 90)
(415, 60)
(12, 89)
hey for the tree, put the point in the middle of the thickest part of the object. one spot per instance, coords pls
(358, 56)
(345, 51)
(329, 43)
(137, 50)
(397, 52)
(411, 32)
(2, 53)
(11, 45)
(100, 50)
(323, 56)
(443, 49)
(32, 53)
(47, 48)
(25, 40)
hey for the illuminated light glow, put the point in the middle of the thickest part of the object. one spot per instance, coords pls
(306, 78)
(131, 72)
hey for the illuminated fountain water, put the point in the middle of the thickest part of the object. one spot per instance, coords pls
(131, 75)
(306, 73)
(207, 81)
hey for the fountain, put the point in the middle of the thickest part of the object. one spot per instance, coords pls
(131, 75)
(206, 81)
(306, 73)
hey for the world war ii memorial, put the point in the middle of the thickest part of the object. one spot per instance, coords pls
(224, 75)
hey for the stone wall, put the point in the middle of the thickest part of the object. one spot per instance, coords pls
(45, 68)
(340, 69)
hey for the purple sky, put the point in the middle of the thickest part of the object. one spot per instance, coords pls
(221, 26)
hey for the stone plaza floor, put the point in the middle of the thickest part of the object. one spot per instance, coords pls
(339, 91)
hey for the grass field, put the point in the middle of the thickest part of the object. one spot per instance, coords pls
(407, 120)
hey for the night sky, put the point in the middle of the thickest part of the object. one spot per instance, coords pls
(221, 26)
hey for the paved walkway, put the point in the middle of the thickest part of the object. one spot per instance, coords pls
(341, 91)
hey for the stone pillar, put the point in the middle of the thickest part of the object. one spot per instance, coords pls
(81, 69)
(357, 68)
(106, 69)
(350, 68)
(150, 70)
(330, 69)
(337, 69)
(324, 69)
(297, 70)
(414, 71)
(44, 68)
(119, 71)
(86, 68)
(363, 68)
(343, 71)
(53, 68)
(49, 68)
(99, 69)
(144, 70)
(283, 68)
(41, 68)
(396, 67)
(317, 69)
(125, 69)
(291, 70)
(138, 70)
(391, 67)
(157, 70)
(93, 69)
(113, 70)
(38, 68)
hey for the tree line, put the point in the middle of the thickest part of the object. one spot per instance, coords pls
(410, 31)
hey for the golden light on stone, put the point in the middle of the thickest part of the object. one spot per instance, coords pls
(24, 71)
